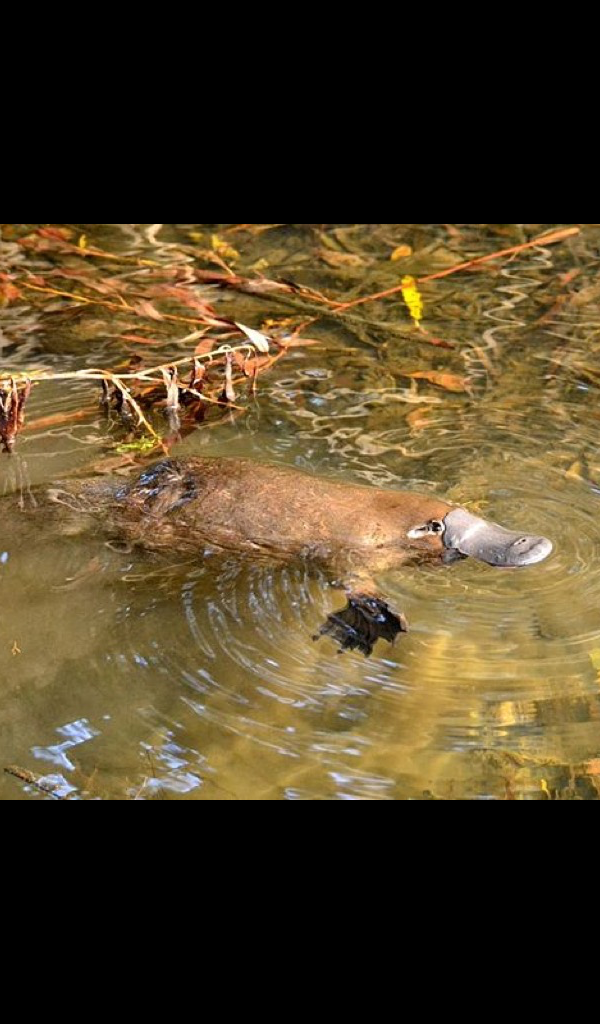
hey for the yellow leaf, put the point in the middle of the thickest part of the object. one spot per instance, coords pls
(226, 251)
(143, 445)
(412, 298)
(260, 265)
(82, 243)
(401, 252)
(544, 786)
(280, 322)
(575, 471)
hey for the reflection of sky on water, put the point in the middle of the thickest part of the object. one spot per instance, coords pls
(75, 733)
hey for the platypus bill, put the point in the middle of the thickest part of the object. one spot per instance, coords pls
(266, 511)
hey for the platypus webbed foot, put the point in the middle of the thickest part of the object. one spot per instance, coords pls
(363, 621)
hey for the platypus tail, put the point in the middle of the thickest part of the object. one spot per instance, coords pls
(363, 621)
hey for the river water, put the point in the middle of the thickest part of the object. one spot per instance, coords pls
(126, 675)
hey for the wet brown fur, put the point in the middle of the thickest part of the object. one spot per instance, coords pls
(272, 511)
(187, 506)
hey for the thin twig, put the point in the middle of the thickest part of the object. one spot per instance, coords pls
(75, 297)
(128, 397)
(99, 374)
(555, 236)
(24, 775)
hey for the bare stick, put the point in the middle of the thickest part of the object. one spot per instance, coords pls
(555, 236)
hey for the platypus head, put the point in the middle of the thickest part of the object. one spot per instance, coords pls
(461, 533)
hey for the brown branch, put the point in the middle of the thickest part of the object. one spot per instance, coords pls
(12, 400)
(555, 236)
(75, 297)
(264, 286)
(34, 780)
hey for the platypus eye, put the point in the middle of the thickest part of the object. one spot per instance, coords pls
(433, 526)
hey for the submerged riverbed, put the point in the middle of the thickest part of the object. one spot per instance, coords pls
(131, 675)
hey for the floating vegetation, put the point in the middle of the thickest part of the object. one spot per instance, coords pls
(226, 357)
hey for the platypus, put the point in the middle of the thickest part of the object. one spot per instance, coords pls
(266, 511)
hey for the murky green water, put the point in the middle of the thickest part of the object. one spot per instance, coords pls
(127, 675)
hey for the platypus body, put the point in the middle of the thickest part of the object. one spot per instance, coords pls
(264, 511)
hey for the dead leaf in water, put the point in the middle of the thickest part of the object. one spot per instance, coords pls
(258, 340)
(340, 259)
(412, 298)
(418, 419)
(448, 381)
(140, 341)
(259, 266)
(585, 295)
(228, 394)
(296, 342)
(401, 252)
(204, 346)
(436, 341)
(57, 419)
(145, 308)
(254, 364)
(60, 234)
(224, 250)
(575, 471)
(8, 292)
